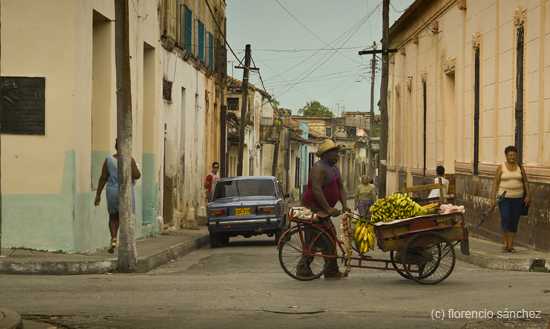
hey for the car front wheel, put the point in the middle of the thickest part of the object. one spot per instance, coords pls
(214, 240)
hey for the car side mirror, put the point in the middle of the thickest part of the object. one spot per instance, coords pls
(287, 195)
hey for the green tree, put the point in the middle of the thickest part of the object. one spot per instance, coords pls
(275, 103)
(315, 109)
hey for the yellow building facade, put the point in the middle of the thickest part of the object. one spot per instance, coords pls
(49, 180)
(470, 78)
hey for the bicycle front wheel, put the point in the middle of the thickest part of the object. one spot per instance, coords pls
(304, 254)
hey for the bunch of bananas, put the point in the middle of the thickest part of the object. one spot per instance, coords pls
(364, 236)
(395, 206)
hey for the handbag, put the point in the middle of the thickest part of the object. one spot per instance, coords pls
(524, 207)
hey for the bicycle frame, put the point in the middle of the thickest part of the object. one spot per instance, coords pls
(330, 231)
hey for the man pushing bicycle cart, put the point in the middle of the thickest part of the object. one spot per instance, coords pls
(324, 189)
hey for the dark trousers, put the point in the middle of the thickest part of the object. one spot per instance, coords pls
(331, 263)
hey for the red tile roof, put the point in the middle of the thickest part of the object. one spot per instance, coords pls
(238, 84)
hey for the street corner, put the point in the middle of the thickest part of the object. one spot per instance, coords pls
(10, 319)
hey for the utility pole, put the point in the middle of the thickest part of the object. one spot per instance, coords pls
(384, 100)
(127, 255)
(370, 171)
(243, 110)
(0, 145)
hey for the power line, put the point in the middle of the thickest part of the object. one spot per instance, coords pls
(361, 22)
(309, 29)
(221, 32)
(313, 69)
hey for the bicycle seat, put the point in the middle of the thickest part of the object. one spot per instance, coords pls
(323, 214)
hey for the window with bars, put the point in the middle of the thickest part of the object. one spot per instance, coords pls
(425, 116)
(201, 40)
(519, 92)
(311, 161)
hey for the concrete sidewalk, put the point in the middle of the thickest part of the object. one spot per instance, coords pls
(152, 252)
(487, 254)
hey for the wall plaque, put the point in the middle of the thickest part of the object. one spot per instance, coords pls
(23, 105)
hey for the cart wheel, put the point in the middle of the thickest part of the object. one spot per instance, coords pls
(397, 264)
(428, 258)
(303, 254)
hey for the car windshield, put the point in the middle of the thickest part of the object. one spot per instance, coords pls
(242, 188)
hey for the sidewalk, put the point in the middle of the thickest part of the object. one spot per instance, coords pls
(487, 254)
(152, 252)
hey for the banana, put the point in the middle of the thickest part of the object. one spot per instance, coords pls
(370, 228)
(361, 250)
(357, 230)
(364, 233)
(371, 241)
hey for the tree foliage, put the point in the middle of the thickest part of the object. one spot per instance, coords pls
(315, 109)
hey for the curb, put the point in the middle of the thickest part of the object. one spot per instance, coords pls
(145, 263)
(10, 320)
(58, 268)
(148, 263)
(502, 263)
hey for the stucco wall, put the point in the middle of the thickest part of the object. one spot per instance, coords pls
(444, 61)
(55, 175)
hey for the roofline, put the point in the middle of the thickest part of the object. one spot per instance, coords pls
(411, 15)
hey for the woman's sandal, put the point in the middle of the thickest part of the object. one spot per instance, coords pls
(504, 250)
(112, 246)
(512, 250)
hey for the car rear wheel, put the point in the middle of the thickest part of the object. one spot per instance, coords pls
(278, 233)
(224, 239)
(215, 240)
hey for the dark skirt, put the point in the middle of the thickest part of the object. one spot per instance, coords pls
(510, 210)
(363, 207)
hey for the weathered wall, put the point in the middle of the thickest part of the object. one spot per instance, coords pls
(443, 59)
(80, 109)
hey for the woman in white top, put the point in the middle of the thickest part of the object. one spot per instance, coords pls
(512, 179)
(435, 192)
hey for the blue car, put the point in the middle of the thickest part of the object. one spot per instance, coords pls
(247, 206)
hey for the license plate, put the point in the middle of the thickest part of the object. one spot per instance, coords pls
(242, 211)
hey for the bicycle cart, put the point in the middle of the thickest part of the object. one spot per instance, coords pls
(421, 248)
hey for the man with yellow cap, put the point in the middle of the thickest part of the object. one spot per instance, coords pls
(324, 189)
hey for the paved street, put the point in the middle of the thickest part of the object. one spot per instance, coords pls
(242, 285)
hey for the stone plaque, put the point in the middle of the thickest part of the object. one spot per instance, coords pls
(23, 105)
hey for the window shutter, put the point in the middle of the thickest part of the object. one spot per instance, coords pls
(188, 28)
(201, 41)
(210, 51)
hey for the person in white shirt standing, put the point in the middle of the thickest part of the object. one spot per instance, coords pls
(211, 179)
(439, 179)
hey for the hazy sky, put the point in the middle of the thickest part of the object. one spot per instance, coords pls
(307, 50)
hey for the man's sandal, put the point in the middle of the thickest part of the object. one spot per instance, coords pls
(504, 250)
(112, 246)
(512, 250)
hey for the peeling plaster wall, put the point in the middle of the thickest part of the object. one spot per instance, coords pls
(184, 118)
